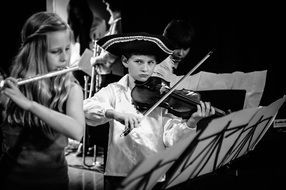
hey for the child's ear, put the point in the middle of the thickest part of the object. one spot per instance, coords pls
(124, 61)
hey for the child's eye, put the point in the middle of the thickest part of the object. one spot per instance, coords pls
(56, 51)
(68, 48)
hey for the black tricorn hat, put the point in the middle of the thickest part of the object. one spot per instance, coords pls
(141, 43)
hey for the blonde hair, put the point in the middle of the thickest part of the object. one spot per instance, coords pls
(31, 60)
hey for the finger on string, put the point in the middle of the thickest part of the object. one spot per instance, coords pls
(203, 105)
(212, 110)
(208, 108)
(199, 109)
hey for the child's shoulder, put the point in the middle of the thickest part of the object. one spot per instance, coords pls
(75, 86)
(117, 87)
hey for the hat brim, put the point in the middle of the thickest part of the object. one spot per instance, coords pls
(138, 43)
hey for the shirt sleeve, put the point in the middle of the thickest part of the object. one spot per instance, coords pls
(175, 129)
(95, 107)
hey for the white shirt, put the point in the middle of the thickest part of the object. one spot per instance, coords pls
(156, 132)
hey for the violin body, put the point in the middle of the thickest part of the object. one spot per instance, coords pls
(182, 103)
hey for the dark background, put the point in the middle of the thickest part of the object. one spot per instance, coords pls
(243, 36)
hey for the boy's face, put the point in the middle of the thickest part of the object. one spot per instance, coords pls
(180, 54)
(140, 67)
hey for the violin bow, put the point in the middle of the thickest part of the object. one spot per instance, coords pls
(125, 132)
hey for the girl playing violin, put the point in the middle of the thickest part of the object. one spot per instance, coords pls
(139, 52)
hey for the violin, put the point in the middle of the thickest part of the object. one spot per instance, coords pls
(182, 103)
(143, 100)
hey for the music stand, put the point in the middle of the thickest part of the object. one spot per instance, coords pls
(229, 143)
(222, 141)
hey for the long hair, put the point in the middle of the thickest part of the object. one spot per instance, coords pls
(31, 60)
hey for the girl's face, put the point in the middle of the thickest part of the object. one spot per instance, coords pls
(140, 67)
(59, 52)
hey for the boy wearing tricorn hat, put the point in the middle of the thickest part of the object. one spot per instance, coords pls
(139, 52)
